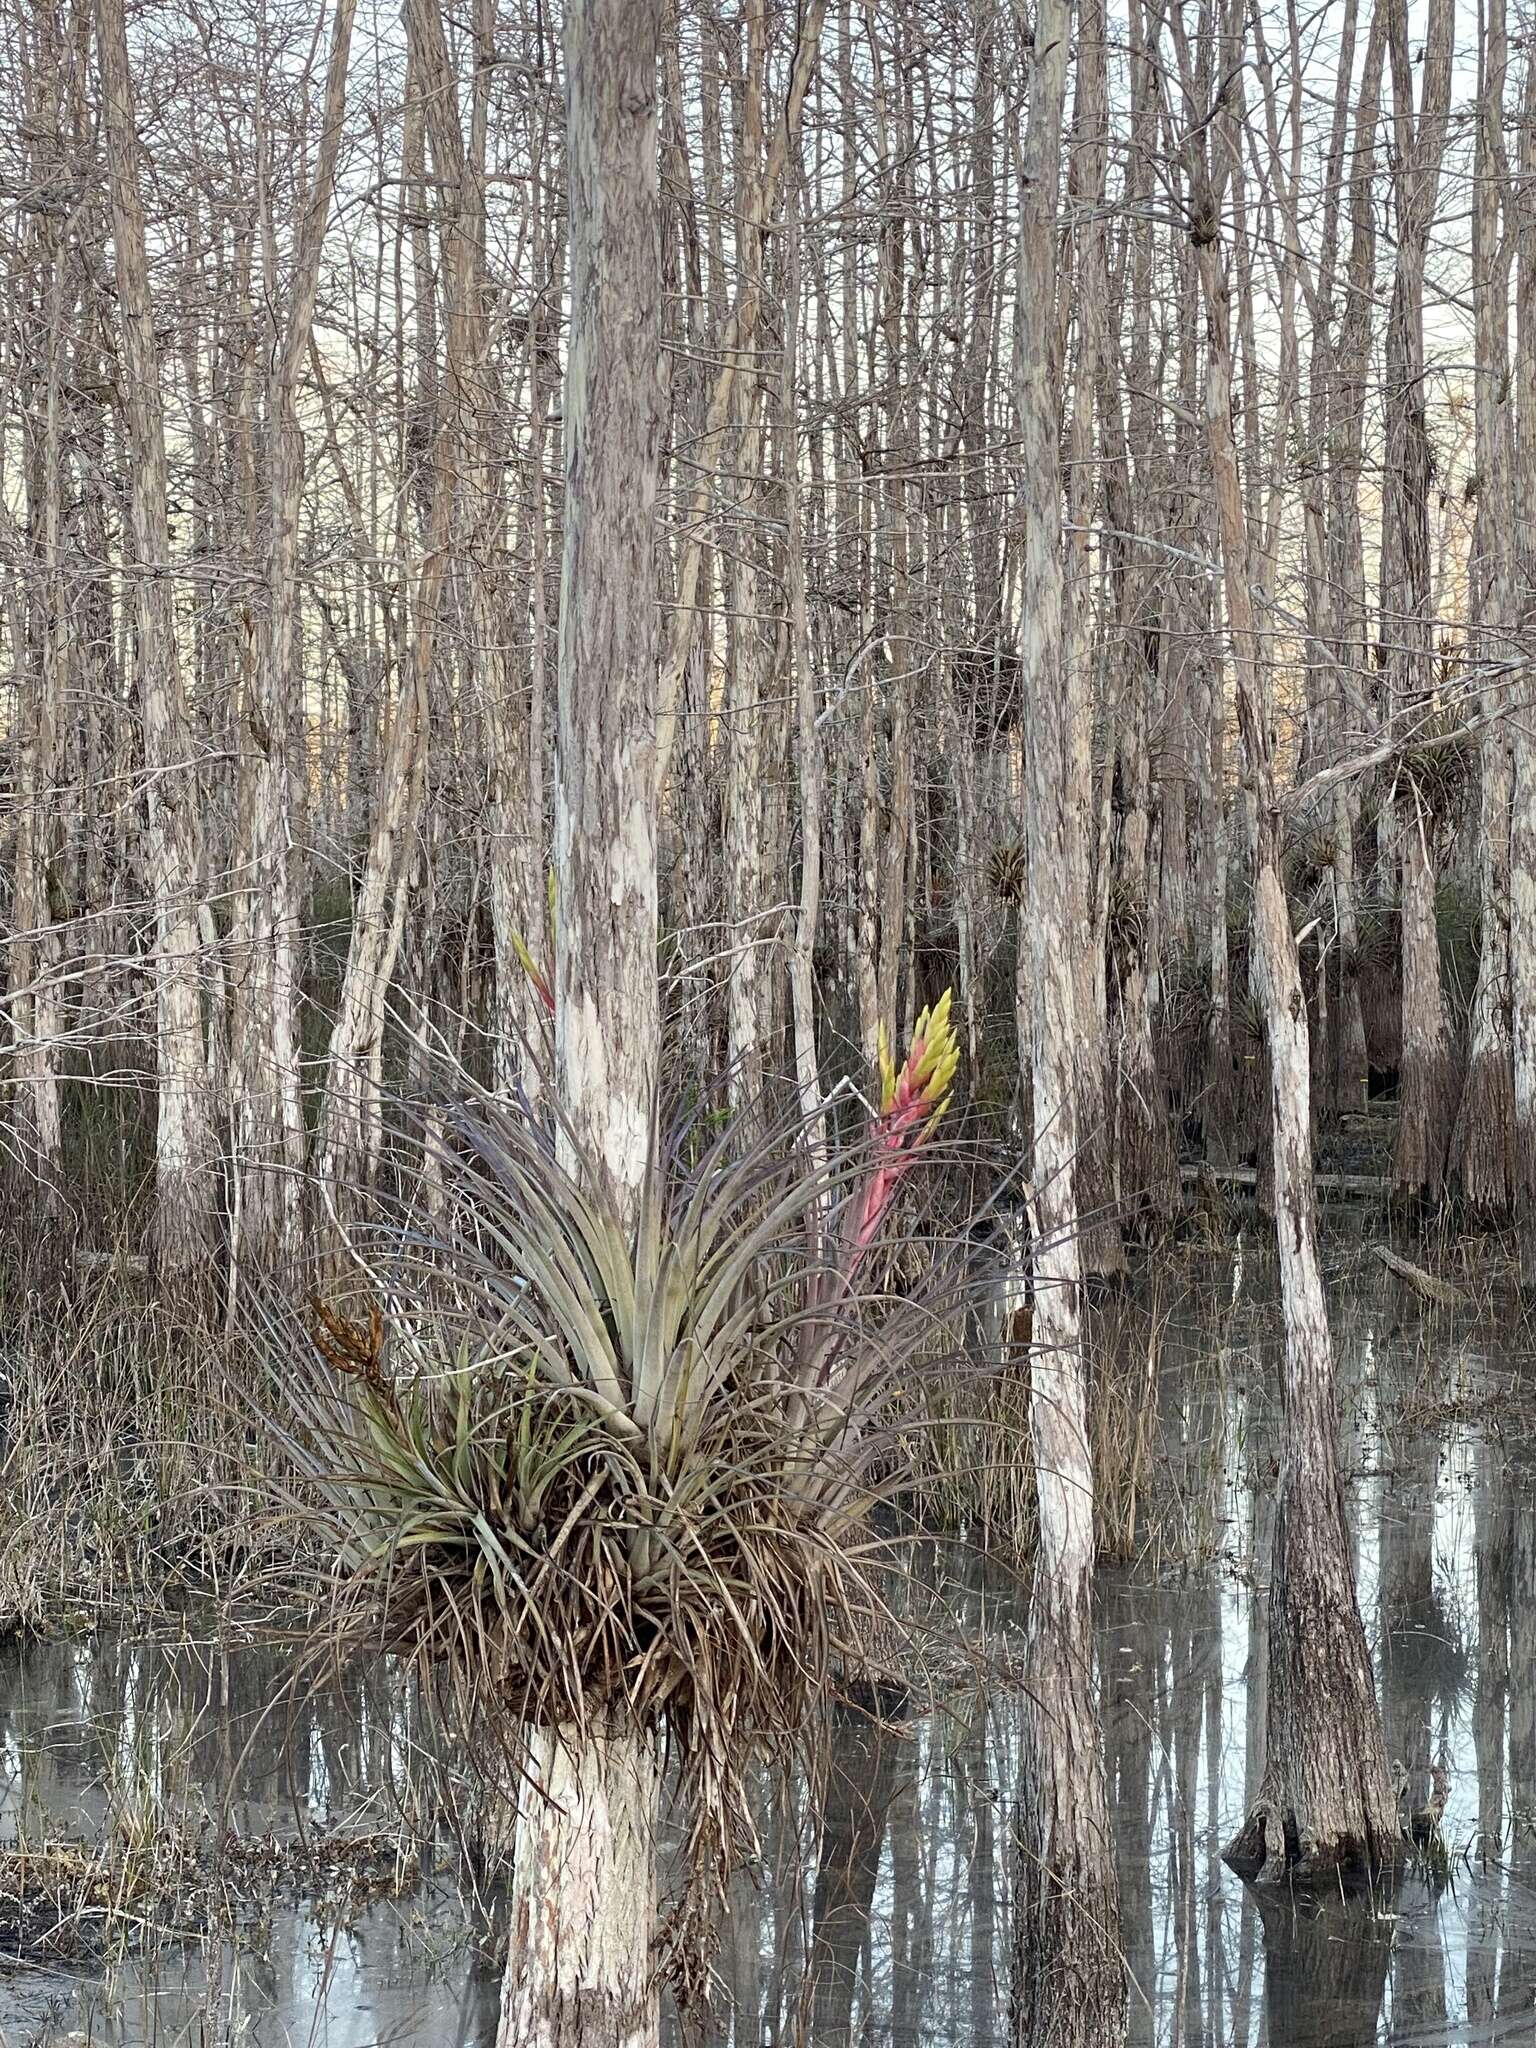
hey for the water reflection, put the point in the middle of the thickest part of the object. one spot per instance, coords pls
(880, 1915)
(1325, 1969)
(863, 1775)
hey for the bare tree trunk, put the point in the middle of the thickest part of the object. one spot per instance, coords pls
(1406, 625)
(1143, 1156)
(735, 355)
(351, 1127)
(1338, 1053)
(186, 1194)
(812, 774)
(41, 665)
(1346, 557)
(350, 1130)
(33, 952)
(1220, 1092)
(1069, 1980)
(1326, 1802)
(514, 738)
(1522, 858)
(269, 1117)
(1483, 1142)
(747, 687)
(1103, 1252)
(580, 1972)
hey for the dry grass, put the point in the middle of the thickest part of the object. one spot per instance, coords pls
(1155, 1428)
(129, 1473)
(1124, 1432)
(969, 1462)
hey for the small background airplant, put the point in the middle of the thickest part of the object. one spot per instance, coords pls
(582, 1469)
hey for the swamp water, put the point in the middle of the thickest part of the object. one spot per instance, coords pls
(881, 1915)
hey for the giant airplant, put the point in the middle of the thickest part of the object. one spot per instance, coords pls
(589, 1468)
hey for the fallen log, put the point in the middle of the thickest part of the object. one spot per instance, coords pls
(1359, 1187)
(1428, 1286)
(132, 1263)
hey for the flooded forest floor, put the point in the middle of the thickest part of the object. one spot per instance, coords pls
(208, 1834)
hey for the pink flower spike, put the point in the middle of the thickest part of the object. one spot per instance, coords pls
(912, 1099)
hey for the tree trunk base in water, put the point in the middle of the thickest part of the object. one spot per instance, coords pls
(580, 1968)
(1267, 1851)
(1326, 1810)
(1069, 1986)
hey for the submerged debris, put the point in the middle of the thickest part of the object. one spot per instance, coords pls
(63, 1898)
(1426, 1285)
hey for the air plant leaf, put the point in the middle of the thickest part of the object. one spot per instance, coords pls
(537, 977)
(540, 979)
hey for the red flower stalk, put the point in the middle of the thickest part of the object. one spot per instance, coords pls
(912, 1099)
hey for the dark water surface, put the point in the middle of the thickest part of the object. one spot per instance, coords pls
(882, 1913)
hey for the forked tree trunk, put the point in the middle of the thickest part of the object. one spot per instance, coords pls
(1325, 1803)
(580, 1970)
(1068, 1976)
(350, 1131)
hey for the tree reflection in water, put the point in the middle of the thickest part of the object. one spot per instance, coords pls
(880, 1917)
(1325, 1968)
